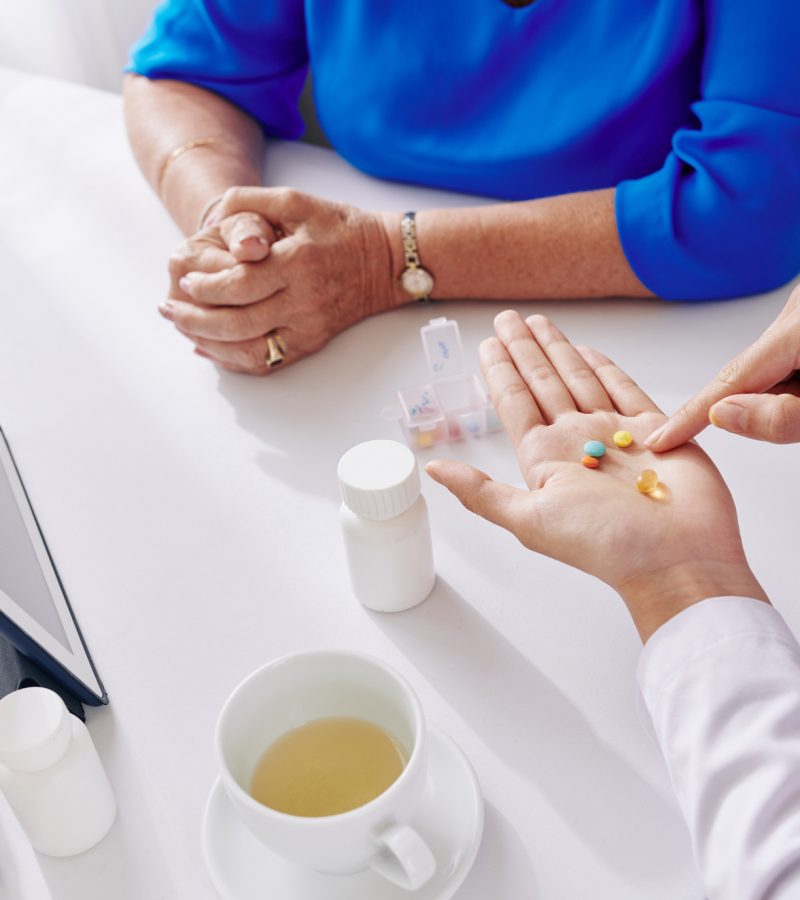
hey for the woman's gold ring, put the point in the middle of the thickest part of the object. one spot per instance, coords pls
(275, 349)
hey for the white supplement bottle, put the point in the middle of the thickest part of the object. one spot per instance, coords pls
(51, 774)
(385, 524)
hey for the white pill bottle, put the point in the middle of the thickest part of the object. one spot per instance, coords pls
(51, 774)
(385, 524)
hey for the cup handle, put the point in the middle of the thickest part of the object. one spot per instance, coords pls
(405, 859)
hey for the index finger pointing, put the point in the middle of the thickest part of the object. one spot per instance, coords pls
(755, 370)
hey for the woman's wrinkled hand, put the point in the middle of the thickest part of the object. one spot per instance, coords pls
(661, 552)
(330, 266)
(220, 244)
(756, 395)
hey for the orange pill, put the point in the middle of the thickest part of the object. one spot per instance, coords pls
(591, 462)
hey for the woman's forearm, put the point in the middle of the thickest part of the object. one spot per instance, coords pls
(555, 247)
(552, 248)
(162, 116)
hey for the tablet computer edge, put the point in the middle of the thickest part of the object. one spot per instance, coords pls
(58, 646)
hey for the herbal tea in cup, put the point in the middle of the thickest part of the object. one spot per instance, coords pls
(323, 756)
(327, 766)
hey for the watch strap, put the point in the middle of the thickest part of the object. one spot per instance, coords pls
(411, 253)
(410, 248)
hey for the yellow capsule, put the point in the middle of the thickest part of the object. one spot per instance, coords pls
(425, 439)
(647, 481)
(623, 438)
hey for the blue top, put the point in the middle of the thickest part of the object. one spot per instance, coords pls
(690, 107)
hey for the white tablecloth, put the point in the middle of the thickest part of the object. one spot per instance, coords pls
(193, 516)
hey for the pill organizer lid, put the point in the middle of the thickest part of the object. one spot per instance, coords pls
(441, 341)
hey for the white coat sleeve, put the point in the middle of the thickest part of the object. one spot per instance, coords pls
(721, 683)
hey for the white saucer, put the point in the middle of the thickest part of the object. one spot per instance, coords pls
(450, 819)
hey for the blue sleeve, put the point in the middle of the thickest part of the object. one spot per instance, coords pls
(722, 217)
(252, 52)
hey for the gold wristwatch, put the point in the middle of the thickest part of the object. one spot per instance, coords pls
(414, 280)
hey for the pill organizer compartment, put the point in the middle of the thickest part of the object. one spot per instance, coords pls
(453, 404)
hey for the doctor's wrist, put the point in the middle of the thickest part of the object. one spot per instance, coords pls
(653, 599)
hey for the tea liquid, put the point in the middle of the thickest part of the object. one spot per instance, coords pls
(327, 766)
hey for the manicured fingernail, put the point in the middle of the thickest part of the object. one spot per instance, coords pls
(655, 436)
(167, 309)
(254, 237)
(185, 285)
(729, 415)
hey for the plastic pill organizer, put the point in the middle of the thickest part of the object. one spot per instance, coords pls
(453, 404)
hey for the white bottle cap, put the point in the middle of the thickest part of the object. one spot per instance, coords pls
(35, 729)
(379, 479)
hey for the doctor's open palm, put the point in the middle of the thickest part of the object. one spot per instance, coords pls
(660, 551)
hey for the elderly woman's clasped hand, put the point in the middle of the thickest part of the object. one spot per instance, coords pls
(661, 552)
(276, 261)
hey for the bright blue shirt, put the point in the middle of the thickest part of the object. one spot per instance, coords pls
(690, 108)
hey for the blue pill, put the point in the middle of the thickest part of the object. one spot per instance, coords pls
(594, 448)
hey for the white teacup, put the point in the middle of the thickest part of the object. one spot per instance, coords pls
(305, 686)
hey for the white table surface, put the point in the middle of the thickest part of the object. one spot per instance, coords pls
(193, 516)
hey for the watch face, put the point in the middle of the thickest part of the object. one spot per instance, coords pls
(418, 282)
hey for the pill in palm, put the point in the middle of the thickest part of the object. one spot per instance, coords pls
(591, 462)
(594, 448)
(647, 481)
(623, 438)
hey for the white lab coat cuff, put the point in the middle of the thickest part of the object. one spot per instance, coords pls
(698, 630)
